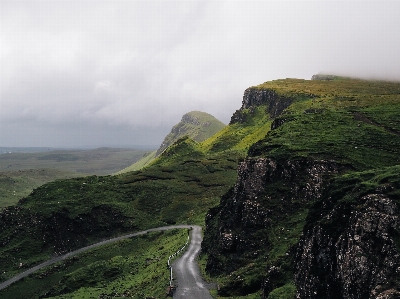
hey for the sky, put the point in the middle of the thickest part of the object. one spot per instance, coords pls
(122, 73)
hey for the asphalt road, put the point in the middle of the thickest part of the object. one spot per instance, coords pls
(196, 239)
(187, 274)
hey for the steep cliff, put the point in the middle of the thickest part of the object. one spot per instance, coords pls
(311, 211)
(350, 244)
(262, 216)
(302, 220)
(254, 97)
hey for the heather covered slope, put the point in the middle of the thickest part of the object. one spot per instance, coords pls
(275, 232)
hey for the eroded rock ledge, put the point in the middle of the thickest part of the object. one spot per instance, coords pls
(253, 97)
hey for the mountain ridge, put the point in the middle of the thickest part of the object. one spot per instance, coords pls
(196, 124)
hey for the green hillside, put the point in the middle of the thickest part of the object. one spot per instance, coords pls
(196, 124)
(299, 156)
(142, 162)
(19, 183)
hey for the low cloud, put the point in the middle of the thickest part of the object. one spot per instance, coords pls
(120, 73)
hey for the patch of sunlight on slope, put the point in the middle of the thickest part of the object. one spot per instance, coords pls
(238, 137)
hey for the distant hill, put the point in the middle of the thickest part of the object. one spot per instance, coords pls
(100, 161)
(197, 125)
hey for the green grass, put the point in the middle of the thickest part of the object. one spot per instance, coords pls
(143, 162)
(287, 291)
(240, 136)
(134, 267)
(351, 121)
(87, 209)
(178, 187)
(17, 184)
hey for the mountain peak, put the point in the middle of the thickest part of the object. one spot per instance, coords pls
(196, 124)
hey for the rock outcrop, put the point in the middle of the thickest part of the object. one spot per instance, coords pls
(347, 248)
(313, 212)
(253, 97)
(238, 227)
(349, 251)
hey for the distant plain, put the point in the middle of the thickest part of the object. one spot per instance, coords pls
(23, 169)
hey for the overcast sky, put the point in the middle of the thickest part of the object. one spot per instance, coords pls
(118, 73)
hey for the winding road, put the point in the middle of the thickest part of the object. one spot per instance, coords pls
(187, 274)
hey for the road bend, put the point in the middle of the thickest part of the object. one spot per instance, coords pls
(187, 273)
(10, 281)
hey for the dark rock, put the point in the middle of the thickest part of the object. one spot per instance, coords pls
(236, 229)
(253, 97)
(350, 252)
(65, 233)
(280, 121)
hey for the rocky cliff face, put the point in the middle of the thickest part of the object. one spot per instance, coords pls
(239, 228)
(349, 251)
(253, 97)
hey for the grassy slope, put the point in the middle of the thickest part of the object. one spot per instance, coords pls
(204, 127)
(209, 126)
(143, 162)
(350, 121)
(134, 268)
(178, 187)
(353, 122)
(15, 185)
(20, 173)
